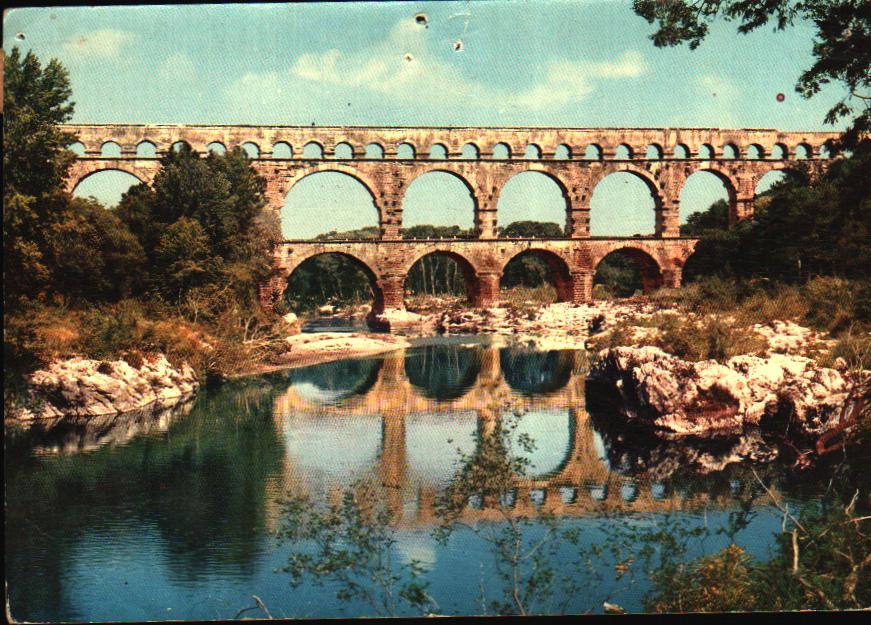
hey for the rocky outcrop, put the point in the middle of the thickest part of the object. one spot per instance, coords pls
(404, 322)
(700, 398)
(85, 387)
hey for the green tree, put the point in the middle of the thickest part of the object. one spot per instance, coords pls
(841, 49)
(203, 225)
(35, 162)
(799, 230)
(532, 229)
(93, 255)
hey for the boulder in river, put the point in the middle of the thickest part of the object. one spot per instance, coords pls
(667, 393)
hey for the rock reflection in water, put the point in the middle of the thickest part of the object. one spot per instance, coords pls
(185, 514)
(413, 421)
(74, 434)
(637, 450)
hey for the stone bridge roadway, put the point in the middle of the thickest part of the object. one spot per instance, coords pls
(583, 483)
(387, 160)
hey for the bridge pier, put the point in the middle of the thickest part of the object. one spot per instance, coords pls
(671, 278)
(582, 287)
(486, 291)
(392, 289)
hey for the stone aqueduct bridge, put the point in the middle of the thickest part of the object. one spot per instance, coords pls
(387, 160)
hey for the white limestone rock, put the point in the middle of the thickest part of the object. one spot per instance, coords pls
(85, 387)
(700, 398)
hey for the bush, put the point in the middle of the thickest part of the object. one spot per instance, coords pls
(831, 303)
(709, 339)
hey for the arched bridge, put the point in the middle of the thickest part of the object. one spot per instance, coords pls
(387, 160)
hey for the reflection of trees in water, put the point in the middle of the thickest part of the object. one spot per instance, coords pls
(535, 373)
(202, 486)
(441, 371)
(343, 378)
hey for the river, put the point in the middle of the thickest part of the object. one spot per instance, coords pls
(180, 516)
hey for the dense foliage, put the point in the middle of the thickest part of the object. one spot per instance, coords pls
(79, 278)
(799, 230)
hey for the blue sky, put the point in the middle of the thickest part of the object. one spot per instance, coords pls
(571, 63)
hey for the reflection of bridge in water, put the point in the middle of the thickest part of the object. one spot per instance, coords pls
(390, 424)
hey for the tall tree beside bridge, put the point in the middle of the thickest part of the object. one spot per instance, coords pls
(35, 163)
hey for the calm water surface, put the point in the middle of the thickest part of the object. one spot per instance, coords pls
(146, 518)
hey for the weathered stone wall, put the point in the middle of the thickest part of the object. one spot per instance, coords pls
(654, 155)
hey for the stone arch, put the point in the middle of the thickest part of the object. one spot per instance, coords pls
(343, 151)
(75, 182)
(77, 148)
(706, 152)
(469, 272)
(803, 151)
(681, 151)
(177, 145)
(471, 152)
(406, 151)
(623, 152)
(453, 176)
(650, 269)
(785, 170)
(216, 147)
(779, 151)
(731, 151)
(110, 149)
(501, 151)
(654, 152)
(558, 271)
(332, 168)
(251, 149)
(146, 149)
(755, 152)
(562, 152)
(593, 152)
(113, 188)
(374, 151)
(532, 152)
(313, 150)
(653, 189)
(728, 184)
(282, 149)
(438, 152)
(367, 269)
(519, 179)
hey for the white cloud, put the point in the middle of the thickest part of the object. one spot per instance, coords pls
(402, 69)
(106, 43)
(177, 67)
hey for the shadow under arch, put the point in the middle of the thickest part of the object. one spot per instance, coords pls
(541, 266)
(320, 276)
(536, 373)
(441, 279)
(331, 382)
(626, 268)
(442, 372)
